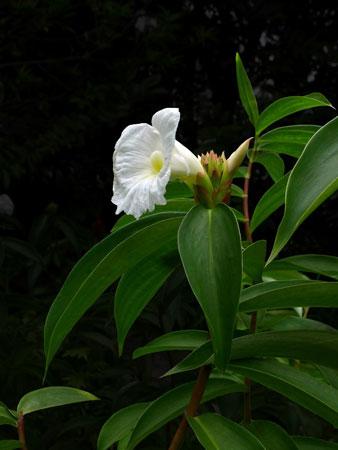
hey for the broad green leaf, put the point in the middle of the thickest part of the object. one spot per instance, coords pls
(288, 294)
(254, 260)
(119, 425)
(322, 264)
(279, 275)
(329, 375)
(246, 93)
(288, 105)
(177, 190)
(210, 248)
(271, 200)
(289, 140)
(295, 323)
(173, 403)
(312, 180)
(9, 444)
(272, 163)
(178, 205)
(298, 386)
(176, 340)
(313, 345)
(49, 397)
(309, 443)
(6, 417)
(215, 432)
(197, 358)
(316, 346)
(138, 286)
(98, 269)
(271, 435)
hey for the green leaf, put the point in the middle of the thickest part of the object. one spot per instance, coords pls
(272, 163)
(309, 443)
(276, 275)
(215, 432)
(329, 375)
(272, 199)
(236, 191)
(179, 205)
(197, 358)
(176, 340)
(316, 346)
(254, 260)
(6, 417)
(10, 444)
(49, 397)
(138, 286)
(289, 140)
(246, 93)
(210, 248)
(322, 264)
(177, 190)
(271, 435)
(288, 105)
(173, 403)
(312, 180)
(119, 425)
(298, 386)
(288, 294)
(296, 323)
(98, 269)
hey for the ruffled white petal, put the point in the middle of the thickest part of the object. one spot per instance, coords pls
(145, 158)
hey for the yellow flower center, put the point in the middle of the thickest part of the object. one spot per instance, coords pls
(156, 161)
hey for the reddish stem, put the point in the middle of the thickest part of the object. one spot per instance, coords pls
(191, 410)
(21, 431)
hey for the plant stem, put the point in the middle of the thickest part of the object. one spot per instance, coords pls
(21, 432)
(191, 410)
(247, 414)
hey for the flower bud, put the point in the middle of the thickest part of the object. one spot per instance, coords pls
(236, 158)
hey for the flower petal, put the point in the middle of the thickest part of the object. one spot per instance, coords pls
(136, 187)
(166, 122)
(184, 163)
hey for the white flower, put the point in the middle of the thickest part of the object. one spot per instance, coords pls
(146, 157)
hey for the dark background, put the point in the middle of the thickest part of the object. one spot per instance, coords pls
(73, 74)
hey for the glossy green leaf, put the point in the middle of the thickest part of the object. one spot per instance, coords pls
(271, 435)
(6, 416)
(197, 358)
(316, 346)
(9, 444)
(322, 264)
(312, 180)
(177, 190)
(119, 425)
(98, 269)
(289, 105)
(309, 443)
(138, 286)
(288, 294)
(280, 275)
(254, 260)
(236, 191)
(177, 205)
(271, 200)
(176, 340)
(298, 386)
(210, 249)
(246, 93)
(289, 140)
(295, 323)
(49, 397)
(215, 432)
(272, 163)
(329, 375)
(173, 403)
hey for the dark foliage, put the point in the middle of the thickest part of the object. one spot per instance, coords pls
(73, 74)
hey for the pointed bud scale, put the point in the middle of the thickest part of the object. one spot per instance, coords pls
(236, 158)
